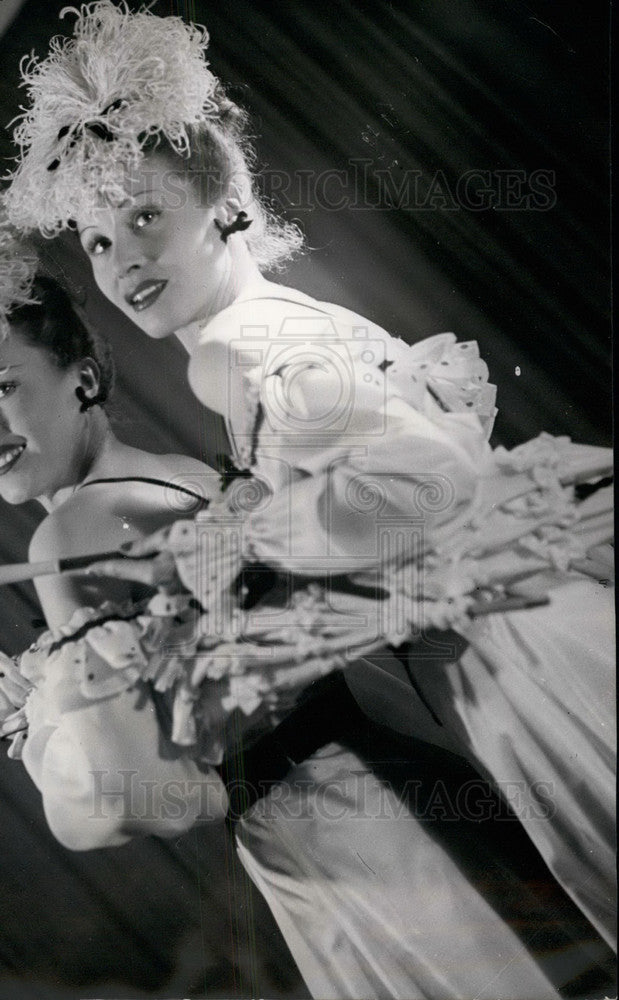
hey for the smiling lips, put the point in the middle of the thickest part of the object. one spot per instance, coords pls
(145, 295)
(9, 455)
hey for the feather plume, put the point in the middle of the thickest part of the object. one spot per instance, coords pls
(18, 267)
(94, 102)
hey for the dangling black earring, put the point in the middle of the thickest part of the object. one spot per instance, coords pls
(88, 401)
(238, 225)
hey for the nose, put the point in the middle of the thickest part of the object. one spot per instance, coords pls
(127, 256)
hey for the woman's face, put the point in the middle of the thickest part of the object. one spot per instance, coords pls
(159, 257)
(41, 428)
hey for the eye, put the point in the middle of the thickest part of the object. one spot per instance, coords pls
(7, 389)
(145, 217)
(97, 245)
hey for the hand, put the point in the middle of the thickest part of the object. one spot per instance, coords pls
(14, 689)
(14, 723)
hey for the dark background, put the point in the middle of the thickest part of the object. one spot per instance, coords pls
(428, 86)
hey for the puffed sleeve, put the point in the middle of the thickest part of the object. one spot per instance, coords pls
(345, 428)
(418, 479)
(405, 447)
(103, 780)
(96, 750)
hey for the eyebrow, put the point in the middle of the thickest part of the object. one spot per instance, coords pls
(127, 203)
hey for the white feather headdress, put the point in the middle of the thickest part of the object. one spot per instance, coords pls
(18, 267)
(94, 102)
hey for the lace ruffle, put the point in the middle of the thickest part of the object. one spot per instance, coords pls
(14, 691)
(443, 371)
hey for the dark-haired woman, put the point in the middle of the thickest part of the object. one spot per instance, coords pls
(57, 446)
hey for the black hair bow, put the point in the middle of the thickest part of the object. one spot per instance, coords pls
(99, 129)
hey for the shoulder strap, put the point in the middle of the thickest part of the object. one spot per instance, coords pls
(147, 479)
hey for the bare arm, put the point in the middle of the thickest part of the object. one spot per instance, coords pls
(76, 530)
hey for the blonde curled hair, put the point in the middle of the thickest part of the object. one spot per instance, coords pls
(123, 84)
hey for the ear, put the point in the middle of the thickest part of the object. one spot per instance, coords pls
(89, 377)
(234, 200)
(233, 205)
(226, 211)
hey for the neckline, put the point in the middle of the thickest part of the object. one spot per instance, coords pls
(255, 291)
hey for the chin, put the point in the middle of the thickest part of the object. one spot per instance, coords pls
(16, 493)
(156, 327)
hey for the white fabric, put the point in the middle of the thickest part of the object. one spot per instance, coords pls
(370, 902)
(99, 766)
(533, 700)
(518, 699)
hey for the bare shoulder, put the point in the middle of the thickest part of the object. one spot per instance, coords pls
(133, 499)
(136, 494)
(179, 465)
(77, 527)
(174, 470)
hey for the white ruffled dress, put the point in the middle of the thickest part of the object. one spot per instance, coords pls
(374, 454)
(375, 496)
